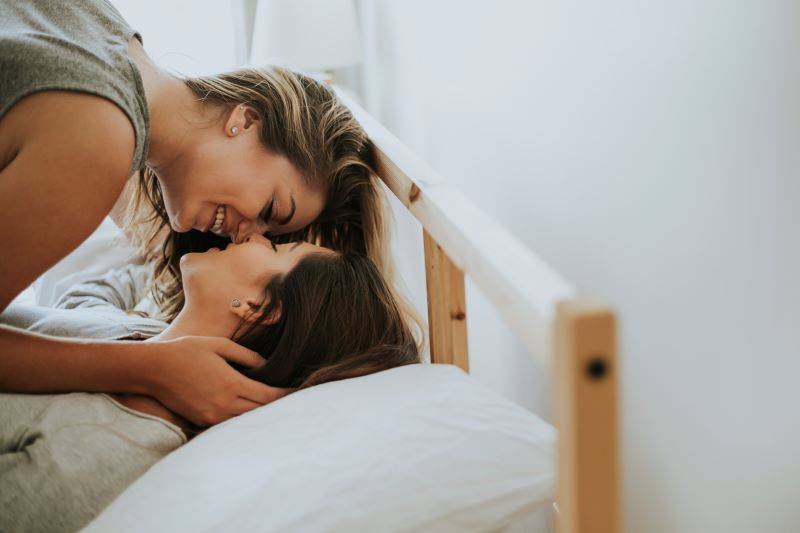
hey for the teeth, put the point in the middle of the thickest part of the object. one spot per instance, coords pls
(219, 219)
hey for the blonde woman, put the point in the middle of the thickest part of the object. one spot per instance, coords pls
(215, 159)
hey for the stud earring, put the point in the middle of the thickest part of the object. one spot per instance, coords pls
(236, 302)
(234, 130)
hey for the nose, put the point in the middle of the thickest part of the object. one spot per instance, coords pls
(248, 227)
(258, 239)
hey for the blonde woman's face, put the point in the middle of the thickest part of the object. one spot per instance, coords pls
(230, 184)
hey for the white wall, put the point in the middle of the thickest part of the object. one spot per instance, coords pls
(189, 37)
(650, 151)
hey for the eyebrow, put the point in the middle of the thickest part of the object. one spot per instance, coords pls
(291, 213)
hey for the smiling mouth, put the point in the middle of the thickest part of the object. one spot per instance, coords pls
(219, 220)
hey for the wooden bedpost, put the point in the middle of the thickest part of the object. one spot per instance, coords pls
(586, 377)
(447, 310)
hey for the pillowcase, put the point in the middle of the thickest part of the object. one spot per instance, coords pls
(415, 448)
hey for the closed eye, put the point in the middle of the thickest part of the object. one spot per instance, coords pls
(266, 213)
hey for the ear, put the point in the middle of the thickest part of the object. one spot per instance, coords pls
(247, 311)
(241, 118)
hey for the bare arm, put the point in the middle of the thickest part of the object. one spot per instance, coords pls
(72, 154)
(37, 363)
(120, 208)
(189, 375)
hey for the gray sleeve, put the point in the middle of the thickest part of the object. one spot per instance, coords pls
(76, 323)
(121, 288)
(108, 307)
(23, 316)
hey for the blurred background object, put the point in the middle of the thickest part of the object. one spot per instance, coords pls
(315, 36)
(648, 151)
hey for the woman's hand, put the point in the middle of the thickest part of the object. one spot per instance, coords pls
(191, 377)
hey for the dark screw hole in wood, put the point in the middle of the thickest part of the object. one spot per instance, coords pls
(597, 368)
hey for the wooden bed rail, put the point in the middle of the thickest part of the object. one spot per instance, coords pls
(522, 287)
(568, 333)
(447, 307)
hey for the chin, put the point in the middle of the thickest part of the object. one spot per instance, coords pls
(197, 265)
(178, 221)
(176, 226)
(187, 260)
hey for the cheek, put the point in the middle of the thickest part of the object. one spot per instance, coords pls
(220, 286)
(208, 277)
(256, 266)
(248, 196)
(170, 193)
(179, 203)
(314, 203)
(186, 195)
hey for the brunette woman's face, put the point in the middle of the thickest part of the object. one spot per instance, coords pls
(228, 183)
(215, 277)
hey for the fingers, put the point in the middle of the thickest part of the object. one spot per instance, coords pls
(283, 391)
(262, 394)
(236, 353)
(243, 405)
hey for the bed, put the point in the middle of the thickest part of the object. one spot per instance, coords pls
(424, 447)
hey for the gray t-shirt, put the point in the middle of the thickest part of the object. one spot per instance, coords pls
(65, 457)
(79, 45)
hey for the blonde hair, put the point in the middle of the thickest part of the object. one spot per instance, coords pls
(303, 120)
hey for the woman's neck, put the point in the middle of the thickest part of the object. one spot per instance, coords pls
(172, 106)
(191, 321)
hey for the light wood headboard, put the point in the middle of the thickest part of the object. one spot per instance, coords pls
(569, 333)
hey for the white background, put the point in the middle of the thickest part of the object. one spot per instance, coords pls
(650, 151)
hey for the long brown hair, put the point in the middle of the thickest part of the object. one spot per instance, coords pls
(337, 319)
(303, 120)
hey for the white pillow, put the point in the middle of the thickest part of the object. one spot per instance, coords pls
(416, 448)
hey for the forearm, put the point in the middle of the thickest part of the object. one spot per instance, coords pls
(34, 363)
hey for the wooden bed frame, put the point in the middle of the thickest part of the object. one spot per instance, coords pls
(573, 335)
